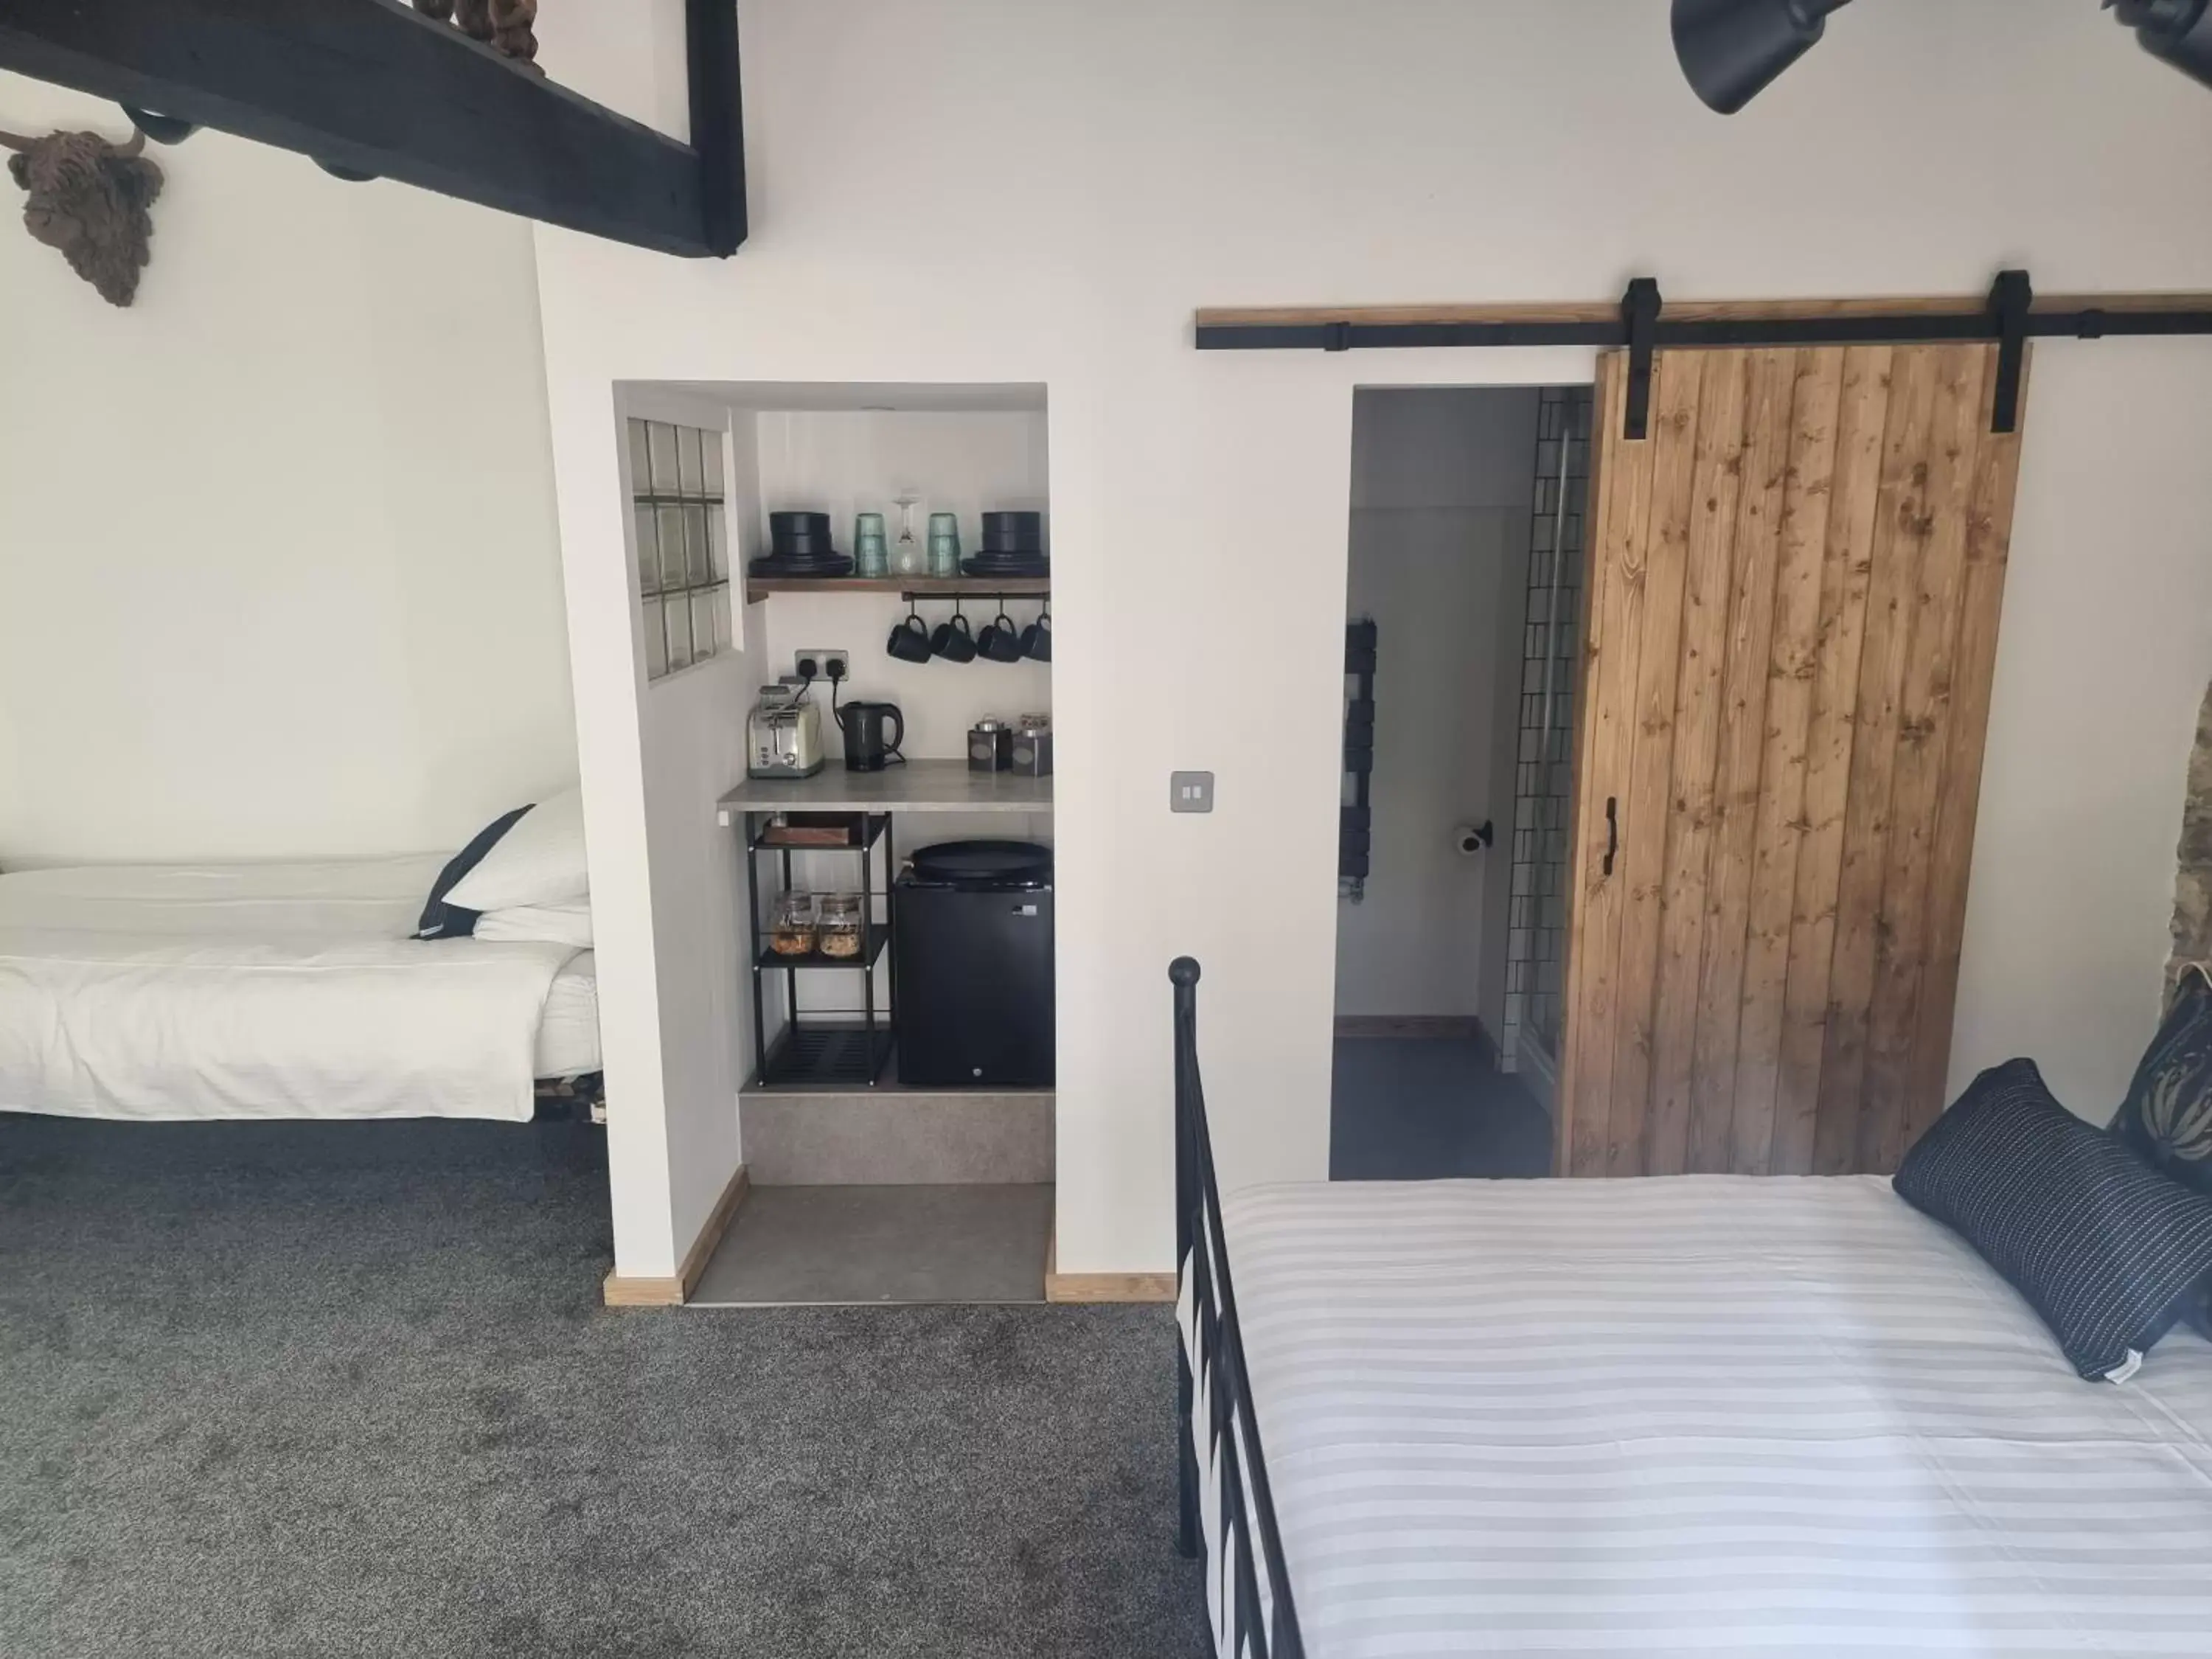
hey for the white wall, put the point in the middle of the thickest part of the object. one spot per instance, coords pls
(1441, 480)
(1148, 158)
(667, 893)
(692, 749)
(2106, 641)
(279, 571)
(845, 462)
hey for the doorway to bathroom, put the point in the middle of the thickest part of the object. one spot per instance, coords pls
(1462, 620)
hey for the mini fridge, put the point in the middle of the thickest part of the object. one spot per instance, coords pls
(971, 942)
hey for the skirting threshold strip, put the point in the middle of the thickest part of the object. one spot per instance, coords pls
(646, 1293)
(1102, 1287)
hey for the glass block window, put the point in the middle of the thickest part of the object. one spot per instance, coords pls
(683, 544)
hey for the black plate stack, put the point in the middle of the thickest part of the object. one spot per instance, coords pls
(1013, 545)
(799, 546)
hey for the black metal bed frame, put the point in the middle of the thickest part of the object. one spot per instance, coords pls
(1211, 1366)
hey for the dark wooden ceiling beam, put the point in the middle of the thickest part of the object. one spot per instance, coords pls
(372, 86)
(718, 127)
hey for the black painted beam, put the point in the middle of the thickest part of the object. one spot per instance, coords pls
(372, 87)
(718, 127)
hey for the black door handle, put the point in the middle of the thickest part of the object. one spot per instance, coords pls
(1612, 830)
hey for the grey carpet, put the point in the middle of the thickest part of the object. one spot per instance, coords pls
(1415, 1108)
(346, 1389)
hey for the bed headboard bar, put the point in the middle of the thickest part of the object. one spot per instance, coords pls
(1268, 1630)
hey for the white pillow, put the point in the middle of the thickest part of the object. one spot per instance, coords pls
(539, 861)
(551, 924)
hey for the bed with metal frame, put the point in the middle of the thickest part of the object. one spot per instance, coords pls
(1227, 1512)
(1730, 1412)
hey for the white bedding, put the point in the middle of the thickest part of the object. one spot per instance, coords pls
(259, 990)
(1700, 1416)
(568, 1036)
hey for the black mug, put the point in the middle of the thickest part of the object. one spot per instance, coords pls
(1001, 642)
(952, 641)
(1036, 639)
(910, 640)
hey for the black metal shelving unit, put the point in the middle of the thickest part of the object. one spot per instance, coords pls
(850, 1046)
(871, 952)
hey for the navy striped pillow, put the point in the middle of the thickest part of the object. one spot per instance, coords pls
(2167, 1116)
(2106, 1248)
(443, 921)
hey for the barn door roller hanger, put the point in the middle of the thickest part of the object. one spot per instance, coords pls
(1641, 324)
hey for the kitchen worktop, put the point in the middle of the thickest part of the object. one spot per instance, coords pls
(919, 786)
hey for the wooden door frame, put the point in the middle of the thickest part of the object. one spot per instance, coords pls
(1607, 405)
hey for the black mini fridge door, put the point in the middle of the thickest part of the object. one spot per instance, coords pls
(973, 1007)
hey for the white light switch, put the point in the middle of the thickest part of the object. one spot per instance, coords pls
(1190, 792)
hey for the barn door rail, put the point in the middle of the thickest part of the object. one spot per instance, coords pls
(1643, 323)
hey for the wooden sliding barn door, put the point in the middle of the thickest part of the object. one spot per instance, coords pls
(1794, 588)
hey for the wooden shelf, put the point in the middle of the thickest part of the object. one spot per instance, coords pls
(982, 588)
(872, 827)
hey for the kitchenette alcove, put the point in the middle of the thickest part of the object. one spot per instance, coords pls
(893, 840)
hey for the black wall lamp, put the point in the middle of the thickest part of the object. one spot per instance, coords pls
(1731, 50)
(2178, 31)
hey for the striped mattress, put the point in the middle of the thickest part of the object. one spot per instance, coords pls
(1701, 1416)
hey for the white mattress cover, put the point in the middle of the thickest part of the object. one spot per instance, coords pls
(1699, 1416)
(338, 898)
(259, 990)
(569, 1035)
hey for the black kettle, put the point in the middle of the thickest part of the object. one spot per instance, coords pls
(868, 747)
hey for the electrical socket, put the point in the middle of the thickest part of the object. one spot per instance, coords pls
(831, 663)
(1190, 792)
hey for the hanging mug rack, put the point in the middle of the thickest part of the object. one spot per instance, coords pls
(952, 641)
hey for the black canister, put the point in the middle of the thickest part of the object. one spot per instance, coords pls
(990, 745)
(1032, 748)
